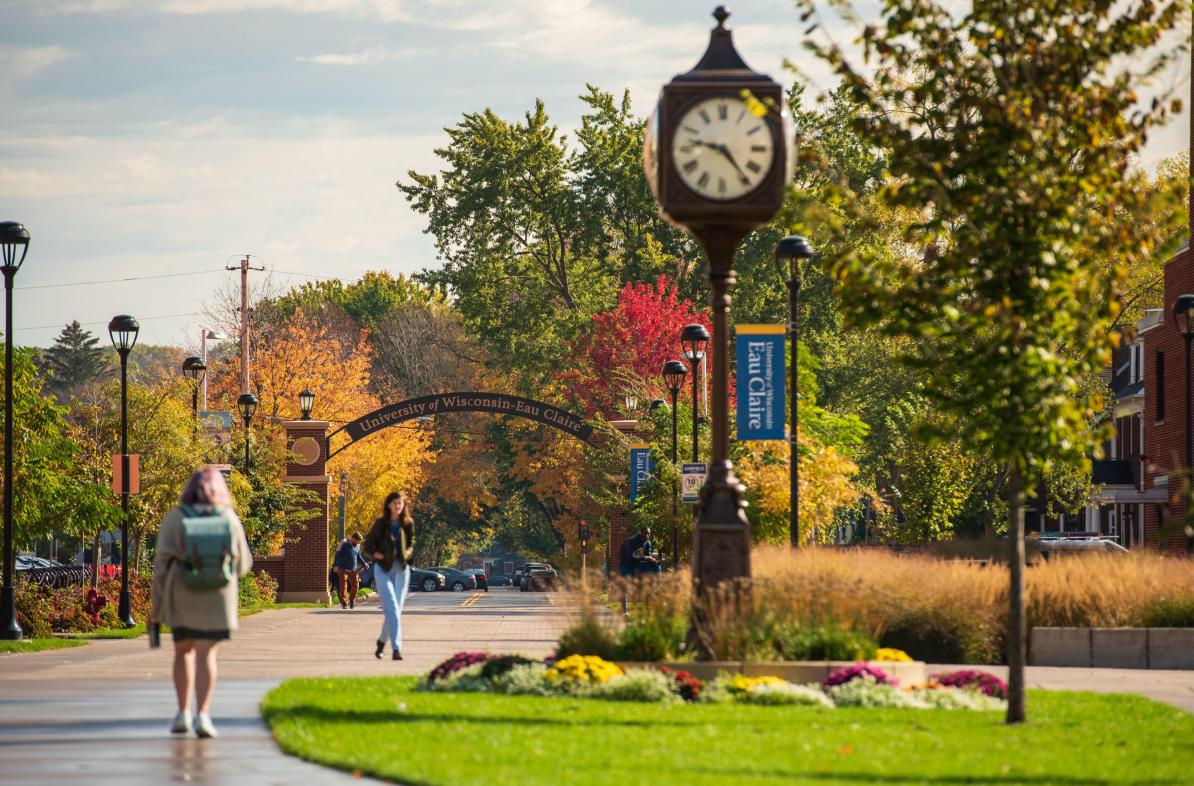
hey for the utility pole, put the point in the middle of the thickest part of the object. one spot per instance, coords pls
(244, 269)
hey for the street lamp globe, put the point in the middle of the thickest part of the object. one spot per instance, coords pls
(14, 240)
(306, 403)
(793, 248)
(247, 404)
(631, 402)
(193, 367)
(674, 372)
(1183, 314)
(123, 331)
(694, 338)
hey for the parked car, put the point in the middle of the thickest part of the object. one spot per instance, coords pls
(457, 580)
(500, 581)
(479, 575)
(427, 580)
(540, 580)
(1048, 548)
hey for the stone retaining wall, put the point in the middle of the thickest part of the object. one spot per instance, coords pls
(1127, 648)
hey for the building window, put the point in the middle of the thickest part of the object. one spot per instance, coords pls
(1159, 389)
(509, 566)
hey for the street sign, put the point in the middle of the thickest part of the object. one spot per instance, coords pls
(760, 353)
(692, 478)
(134, 474)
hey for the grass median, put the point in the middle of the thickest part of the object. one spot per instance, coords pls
(37, 645)
(385, 728)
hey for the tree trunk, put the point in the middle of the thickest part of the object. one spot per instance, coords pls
(1017, 649)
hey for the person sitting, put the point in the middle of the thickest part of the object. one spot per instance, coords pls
(348, 557)
(637, 557)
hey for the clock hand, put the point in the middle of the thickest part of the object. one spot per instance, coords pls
(725, 151)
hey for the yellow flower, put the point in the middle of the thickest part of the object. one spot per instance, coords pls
(583, 668)
(744, 684)
(891, 654)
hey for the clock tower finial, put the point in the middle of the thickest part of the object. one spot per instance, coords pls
(721, 14)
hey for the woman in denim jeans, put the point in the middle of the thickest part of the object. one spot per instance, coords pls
(391, 541)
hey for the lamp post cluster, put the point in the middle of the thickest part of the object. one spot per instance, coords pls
(790, 253)
(123, 330)
(14, 240)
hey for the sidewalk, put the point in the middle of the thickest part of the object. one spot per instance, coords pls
(98, 715)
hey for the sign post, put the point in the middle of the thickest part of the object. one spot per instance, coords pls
(760, 353)
(692, 479)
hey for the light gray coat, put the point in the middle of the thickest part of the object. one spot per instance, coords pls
(179, 607)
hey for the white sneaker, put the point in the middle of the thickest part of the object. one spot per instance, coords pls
(182, 723)
(203, 726)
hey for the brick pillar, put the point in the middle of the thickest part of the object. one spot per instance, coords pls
(305, 561)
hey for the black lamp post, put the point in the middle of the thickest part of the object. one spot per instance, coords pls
(194, 369)
(306, 403)
(673, 375)
(14, 240)
(123, 331)
(247, 404)
(1183, 318)
(694, 338)
(789, 253)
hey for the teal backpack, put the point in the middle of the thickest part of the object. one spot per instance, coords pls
(207, 549)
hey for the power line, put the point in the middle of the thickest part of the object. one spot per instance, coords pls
(120, 280)
(91, 324)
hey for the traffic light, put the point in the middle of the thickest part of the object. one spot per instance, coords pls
(582, 533)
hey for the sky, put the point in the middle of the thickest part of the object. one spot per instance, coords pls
(170, 137)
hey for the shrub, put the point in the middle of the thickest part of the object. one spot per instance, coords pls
(1169, 613)
(824, 642)
(636, 685)
(973, 680)
(461, 660)
(658, 638)
(257, 588)
(496, 667)
(941, 634)
(859, 671)
(956, 699)
(868, 692)
(526, 680)
(463, 680)
(687, 685)
(785, 693)
(892, 655)
(588, 635)
(581, 670)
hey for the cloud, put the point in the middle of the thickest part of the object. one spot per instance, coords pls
(25, 61)
(385, 10)
(366, 57)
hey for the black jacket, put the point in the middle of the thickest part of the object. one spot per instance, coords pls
(380, 540)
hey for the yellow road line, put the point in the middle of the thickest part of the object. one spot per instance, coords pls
(472, 599)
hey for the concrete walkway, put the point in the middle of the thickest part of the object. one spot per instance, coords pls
(99, 714)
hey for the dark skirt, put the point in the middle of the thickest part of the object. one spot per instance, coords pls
(209, 635)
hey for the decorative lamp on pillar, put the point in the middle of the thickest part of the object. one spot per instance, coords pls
(14, 241)
(789, 254)
(1183, 319)
(715, 155)
(247, 404)
(123, 331)
(631, 402)
(306, 403)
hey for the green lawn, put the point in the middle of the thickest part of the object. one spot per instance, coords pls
(37, 645)
(382, 727)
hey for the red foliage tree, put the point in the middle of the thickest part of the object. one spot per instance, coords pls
(633, 339)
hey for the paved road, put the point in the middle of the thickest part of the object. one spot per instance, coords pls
(98, 714)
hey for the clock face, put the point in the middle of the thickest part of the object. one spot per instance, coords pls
(721, 150)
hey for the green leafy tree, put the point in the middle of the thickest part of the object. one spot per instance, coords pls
(75, 359)
(1016, 144)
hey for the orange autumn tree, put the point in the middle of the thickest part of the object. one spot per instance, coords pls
(298, 353)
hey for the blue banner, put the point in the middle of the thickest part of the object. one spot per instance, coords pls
(760, 351)
(642, 469)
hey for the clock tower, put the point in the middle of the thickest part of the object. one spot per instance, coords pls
(716, 159)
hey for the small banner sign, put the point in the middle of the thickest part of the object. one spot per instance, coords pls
(642, 469)
(134, 485)
(692, 479)
(760, 351)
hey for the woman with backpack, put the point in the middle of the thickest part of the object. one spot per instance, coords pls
(201, 555)
(391, 542)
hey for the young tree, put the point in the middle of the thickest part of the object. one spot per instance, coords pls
(1018, 138)
(75, 359)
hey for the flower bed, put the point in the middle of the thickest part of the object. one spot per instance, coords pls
(591, 677)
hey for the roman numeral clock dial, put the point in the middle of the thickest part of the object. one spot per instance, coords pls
(721, 150)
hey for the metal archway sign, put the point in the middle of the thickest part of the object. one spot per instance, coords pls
(468, 401)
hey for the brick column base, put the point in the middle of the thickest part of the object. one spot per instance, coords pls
(305, 561)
